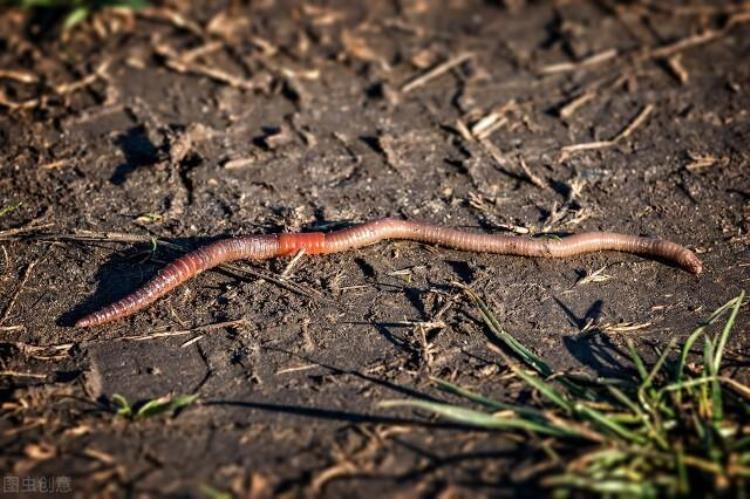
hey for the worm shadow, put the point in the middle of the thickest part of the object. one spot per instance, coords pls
(124, 272)
(366, 269)
(138, 150)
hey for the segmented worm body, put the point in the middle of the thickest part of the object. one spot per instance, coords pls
(261, 247)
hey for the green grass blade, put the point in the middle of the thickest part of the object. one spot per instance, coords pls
(486, 402)
(683, 484)
(717, 401)
(602, 421)
(480, 419)
(658, 365)
(523, 353)
(123, 406)
(700, 330)
(75, 16)
(684, 385)
(544, 388)
(164, 404)
(657, 434)
(127, 4)
(686, 348)
(722, 342)
(212, 493)
(608, 487)
(5, 210)
(637, 360)
(621, 397)
(712, 391)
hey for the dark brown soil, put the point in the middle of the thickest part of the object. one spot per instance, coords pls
(296, 117)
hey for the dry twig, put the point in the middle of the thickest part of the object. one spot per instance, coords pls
(60, 90)
(603, 144)
(20, 286)
(438, 70)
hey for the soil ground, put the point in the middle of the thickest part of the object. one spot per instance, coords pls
(190, 122)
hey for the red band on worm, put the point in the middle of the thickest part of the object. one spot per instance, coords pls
(312, 242)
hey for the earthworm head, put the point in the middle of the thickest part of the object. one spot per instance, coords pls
(692, 263)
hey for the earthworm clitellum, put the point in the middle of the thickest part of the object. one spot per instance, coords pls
(261, 247)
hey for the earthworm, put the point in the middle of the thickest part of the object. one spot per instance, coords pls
(261, 247)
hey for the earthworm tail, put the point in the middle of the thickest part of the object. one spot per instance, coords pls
(268, 246)
(182, 269)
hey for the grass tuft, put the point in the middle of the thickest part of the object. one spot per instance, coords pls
(152, 407)
(668, 428)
